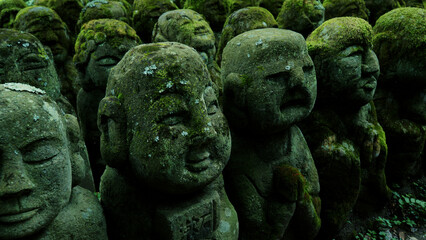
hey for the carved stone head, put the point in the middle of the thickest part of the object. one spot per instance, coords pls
(8, 11)
(244, 20)
(269, 80)
(25, 60)
(160, 120)
(215, 11)
(347, 67)
(302, 16)
(38, 162)
(188, 27)
(99, 47)
(47, 26)
(345, 8)
(400, 44)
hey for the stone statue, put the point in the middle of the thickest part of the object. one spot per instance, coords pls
(146, 14)
(99, 9)
(41, 167)
(47, 26)
(189, 27)
(8, 11)
(301, 16)
(164, 138)
(68, 11)
(345, 8)
(347, 143)
(401, 48)
(100, 46)
(214, 11)
(25, 60)
(244, 20)
(269, 86)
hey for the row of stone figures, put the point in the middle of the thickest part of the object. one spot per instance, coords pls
(154, 113)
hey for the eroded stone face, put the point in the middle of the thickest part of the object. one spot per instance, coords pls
(269, 76)
(187, 27)
(25, 60)
(180, 140)
(301, 16)
(35, 167)
(47, 26)
(8, 11)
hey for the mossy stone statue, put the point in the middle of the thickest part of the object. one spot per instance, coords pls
(100, 46)
(348, 144)
(214, 11)
(146, 14)
(301, 16)
(40, 169)
(243, 20)
(164, 137)
(48, 27)
(400, 43)
(269, 86)
(8, 11)
(345, 8)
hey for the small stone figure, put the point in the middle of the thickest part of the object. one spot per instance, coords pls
(269, 86)
(189, 27)
(244, 20)
(8, 11)
(400, 44)
(146, 14)
(47, 26)
(301, 16)
(164, 138)
(100, 46)
(25, 60)
(68, 11)
(347, 142)
(40, 169)
(215, 11)
(99, 9)
(345, 8)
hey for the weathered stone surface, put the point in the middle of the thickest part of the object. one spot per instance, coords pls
(348, 144)
(146, 14)
(47, 26)
(214, 11)
(301, 16)
(243, 20)
(41, 165)
(100, 46)
(400, 43)
(269, 85)
(345, 8)
(8, 11)
(164, 137)
(99, 9)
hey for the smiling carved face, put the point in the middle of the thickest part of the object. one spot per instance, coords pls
(35, 167)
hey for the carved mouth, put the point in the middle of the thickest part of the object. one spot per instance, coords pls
(19, 216)
(198, 162)
(370, 84)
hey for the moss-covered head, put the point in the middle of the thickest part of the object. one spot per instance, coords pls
(215, 11)
(146, 14)
(25, 60)
(301, 16)
(48, 27)
(170, 133)
(244, 20)
(99, 9)
(400, 43)
(345, 8)
(8, 11)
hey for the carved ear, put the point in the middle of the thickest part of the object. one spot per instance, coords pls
(157, 36)
(113, 127)
(234, 103)
(80, 165)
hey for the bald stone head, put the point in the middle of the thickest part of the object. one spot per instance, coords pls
(269, 80)
(160, 119)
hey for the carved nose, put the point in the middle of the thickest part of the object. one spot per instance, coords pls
(14, 179)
